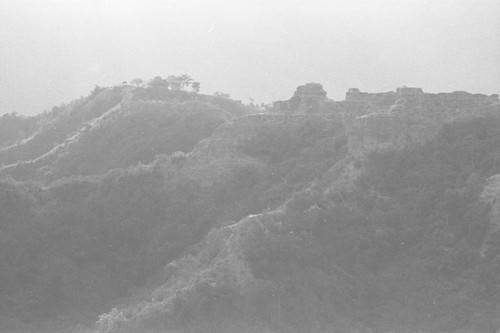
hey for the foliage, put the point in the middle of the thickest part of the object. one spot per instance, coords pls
(58, 126)
(174, 83)
(14, 127)
(400, 247)
(196, 86)
(143, 131)
(73, 248)
(409, 232)
(137, 82)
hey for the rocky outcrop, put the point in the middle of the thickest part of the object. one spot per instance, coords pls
(306, 99)
(491, 195)
(408, 116)
(416, 97)
(213, 157)
(375, 131)
(385, 121)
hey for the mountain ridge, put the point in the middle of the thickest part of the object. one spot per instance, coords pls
(310, 215)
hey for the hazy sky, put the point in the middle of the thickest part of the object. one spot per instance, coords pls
(54, 51)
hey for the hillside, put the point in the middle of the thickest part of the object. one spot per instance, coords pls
(114, 128)
(153, 210)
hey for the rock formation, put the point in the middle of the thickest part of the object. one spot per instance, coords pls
(221, 152)
(408, 116)
(491, 195)
(306, 99)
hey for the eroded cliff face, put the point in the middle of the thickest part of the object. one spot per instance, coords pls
(389, 120)
(213, 157)
(491, 195)
(306, 99)
(408, 116)
(372, 122)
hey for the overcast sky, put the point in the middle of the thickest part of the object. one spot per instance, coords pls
(54, 51)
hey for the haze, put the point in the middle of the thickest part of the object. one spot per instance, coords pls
(54, 51)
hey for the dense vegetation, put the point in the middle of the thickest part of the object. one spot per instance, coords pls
(408, 238)
(400, 251)
(104, 193)
(113, 128)
(61, 243)
(14, 127)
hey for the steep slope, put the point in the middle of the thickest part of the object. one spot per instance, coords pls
(246, 140)
(14, 128)
(217, 289)
(409, 116)
(251, 164)
(100, 237)
(61, 123)
(491, 196)
(372, 214)
(400, 250)
(388, 238)
(113, 128)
